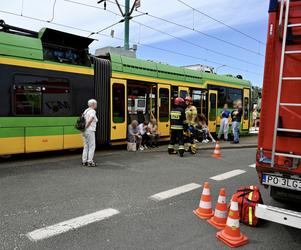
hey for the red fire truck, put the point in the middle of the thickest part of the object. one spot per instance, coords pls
(278, 159)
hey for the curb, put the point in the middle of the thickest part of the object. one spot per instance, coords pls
(208, 148)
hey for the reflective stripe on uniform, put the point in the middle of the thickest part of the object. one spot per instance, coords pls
(171, 146)
(205, 204)
(181, 147)
(177, 127)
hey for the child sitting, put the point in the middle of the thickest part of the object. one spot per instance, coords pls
(202, 125)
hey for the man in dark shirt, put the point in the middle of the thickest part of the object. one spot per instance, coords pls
(236, 120)
(177, 118)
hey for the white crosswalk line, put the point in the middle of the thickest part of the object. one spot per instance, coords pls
(252, 165)
(175, 191)
(68, 225)
(227, 175)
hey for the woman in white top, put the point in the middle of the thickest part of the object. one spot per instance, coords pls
(89, 134)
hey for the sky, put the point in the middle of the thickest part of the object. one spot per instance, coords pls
(199, 42)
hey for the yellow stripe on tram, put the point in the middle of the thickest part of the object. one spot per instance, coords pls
(46, 65)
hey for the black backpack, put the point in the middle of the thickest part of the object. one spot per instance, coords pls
(81, 122)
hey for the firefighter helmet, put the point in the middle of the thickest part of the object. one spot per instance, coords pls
(179, 101)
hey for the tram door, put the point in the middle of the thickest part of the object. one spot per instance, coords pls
(212, 110)
(246, 109)
(163, 109)
(183, 92)
(118, 109)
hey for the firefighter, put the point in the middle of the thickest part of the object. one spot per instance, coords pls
(191, 114)
(177, 119)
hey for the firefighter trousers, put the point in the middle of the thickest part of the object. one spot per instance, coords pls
(176, 137)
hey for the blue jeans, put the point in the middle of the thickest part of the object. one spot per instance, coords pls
(235, 130)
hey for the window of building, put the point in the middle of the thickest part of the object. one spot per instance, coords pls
(164, 105)
(34, 95)
(118, 103)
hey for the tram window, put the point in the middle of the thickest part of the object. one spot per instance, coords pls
(227, 95)
(164, 105)
(212, 113)
(196, 96)
(28, 100)
(246, 108)
(118, 103)
(233, 95)
(41, 96)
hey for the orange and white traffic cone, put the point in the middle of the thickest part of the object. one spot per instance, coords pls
(220, 214)
(204, 211)
(217, 151)
(231, 234)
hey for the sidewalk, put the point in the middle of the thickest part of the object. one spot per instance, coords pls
(245, 142)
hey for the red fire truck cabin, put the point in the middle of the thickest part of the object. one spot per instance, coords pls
(278, 160)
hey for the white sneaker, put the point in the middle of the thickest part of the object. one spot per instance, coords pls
(207, 140)
(145, 147)
(141, 148)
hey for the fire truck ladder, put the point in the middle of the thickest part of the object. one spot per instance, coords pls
(282, 79)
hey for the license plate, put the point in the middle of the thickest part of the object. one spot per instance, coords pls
(277, 181)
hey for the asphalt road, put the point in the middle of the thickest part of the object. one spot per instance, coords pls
(40, 192)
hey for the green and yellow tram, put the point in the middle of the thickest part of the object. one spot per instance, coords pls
(47, 77)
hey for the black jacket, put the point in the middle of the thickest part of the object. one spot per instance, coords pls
(177, 118)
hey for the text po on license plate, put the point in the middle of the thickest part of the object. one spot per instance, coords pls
(278, 181)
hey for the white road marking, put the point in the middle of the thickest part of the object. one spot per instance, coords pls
(175, 191)
(252, 165)
(65, 226)
(227, 175)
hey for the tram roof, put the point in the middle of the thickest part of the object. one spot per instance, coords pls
(164, 71)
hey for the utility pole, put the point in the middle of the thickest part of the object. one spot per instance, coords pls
(127, 16)
(127, 24)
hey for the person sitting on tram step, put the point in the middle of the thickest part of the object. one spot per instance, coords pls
(89, 134)
(143, 129)
(153, 133)
(202, 125)
(134, 135)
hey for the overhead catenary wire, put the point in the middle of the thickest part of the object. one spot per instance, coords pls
(221, 22)
(173, 36)
(141, 44)
(199, 46)
(53, 11)
(184, 55)
(197, 31)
